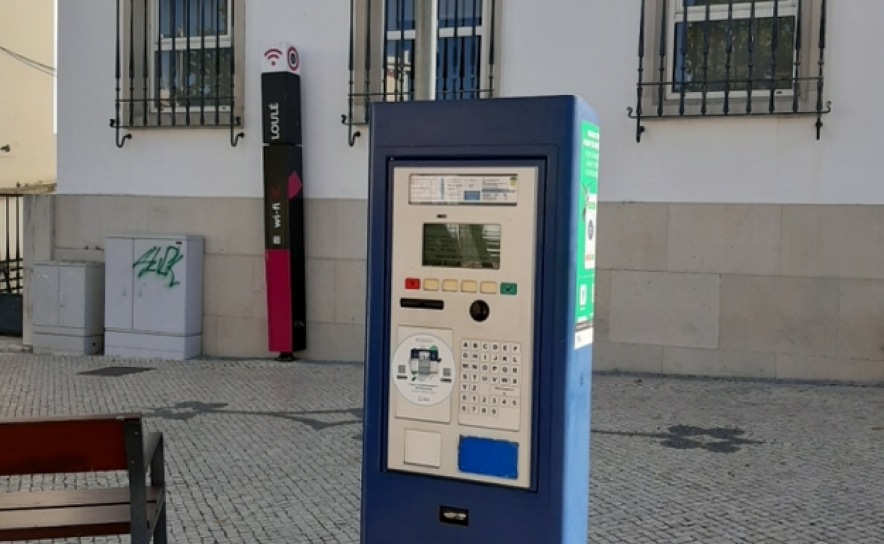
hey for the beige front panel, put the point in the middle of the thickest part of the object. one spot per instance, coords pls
(452, 375)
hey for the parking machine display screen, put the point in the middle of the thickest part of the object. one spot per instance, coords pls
(458, 245)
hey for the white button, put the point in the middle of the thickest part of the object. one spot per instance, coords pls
(474, 345)
(494, 401)
(465, 355)
(494, 379)
(484, 399)
(464, 408)
(514, 381)
(514, 370)
(474, 356)
(474, 388)
(504, 380)
(504, 370)
(464, 397)
(474, 377)
(504, 401)
(465, 376)
(515, 359)
(514, 403)
(495, 357)
(465, 344)
(464, 386)
(516, 348)
(495, 368)
(483, 410)
(485, 357)
(504, 358)
(485, 368)
(505, 348)
(494, 412)
(495, 346)
(474, 409)
(484, 378)
(485, 346)
(474, 398)
(465, 366)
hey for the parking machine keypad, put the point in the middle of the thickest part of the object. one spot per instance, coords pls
(490, 381)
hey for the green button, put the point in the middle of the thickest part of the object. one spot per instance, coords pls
(509, 289)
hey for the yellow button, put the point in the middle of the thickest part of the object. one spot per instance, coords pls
(489, 287)
(469, 286)
(449, 286)
(431, 285)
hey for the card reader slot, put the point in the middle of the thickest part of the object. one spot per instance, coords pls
(422, 304)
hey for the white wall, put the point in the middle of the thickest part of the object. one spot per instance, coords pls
(595, 44)
(201, 162)
(585, 47)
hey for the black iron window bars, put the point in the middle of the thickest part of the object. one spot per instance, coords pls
(425, 53)
(176, 66)
(731, 58)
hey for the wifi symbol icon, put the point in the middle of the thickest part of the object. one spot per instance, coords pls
(273, 55)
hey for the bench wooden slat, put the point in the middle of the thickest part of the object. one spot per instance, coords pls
(70, 498)
(82, 444)
(62, 445)
(67, 522)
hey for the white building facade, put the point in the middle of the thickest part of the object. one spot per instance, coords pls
(728, 246)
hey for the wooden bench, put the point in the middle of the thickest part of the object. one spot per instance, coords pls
(83, 444)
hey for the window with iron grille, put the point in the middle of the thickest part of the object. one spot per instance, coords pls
(403, 50)
(178, 64)
(731, 58)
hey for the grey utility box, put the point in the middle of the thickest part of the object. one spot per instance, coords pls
(154, 293)
(68, 307)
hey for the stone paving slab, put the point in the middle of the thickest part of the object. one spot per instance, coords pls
(266, 452)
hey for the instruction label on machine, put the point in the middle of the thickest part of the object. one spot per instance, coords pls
(464, 189)
(587, 202)
(423, 369)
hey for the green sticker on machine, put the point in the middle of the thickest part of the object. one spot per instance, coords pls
(587, 203)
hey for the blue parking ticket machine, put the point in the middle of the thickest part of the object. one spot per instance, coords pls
(481, 266)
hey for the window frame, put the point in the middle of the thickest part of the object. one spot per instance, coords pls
(164, 45)
(138, 111)
(367, 54)
(426, 34)
(482, 31)
(719, 12)
(809, 13)
(653, 103)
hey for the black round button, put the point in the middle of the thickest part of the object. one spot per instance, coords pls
(480, 311)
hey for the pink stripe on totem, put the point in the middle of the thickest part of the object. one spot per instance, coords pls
(279, 300)
(295, 185)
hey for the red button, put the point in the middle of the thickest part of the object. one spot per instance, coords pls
(412, 284)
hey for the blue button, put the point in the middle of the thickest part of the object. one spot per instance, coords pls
(487, 457)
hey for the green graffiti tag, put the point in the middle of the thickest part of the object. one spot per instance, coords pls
(160, 263)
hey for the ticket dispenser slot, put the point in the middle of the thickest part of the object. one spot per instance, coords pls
(461, 394)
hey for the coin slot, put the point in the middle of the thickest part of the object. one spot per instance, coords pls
(480, 311)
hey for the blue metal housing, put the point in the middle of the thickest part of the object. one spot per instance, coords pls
(403, 508)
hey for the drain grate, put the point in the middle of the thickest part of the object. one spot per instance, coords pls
(116, 371)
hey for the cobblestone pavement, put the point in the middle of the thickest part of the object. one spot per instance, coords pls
(269, 452)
